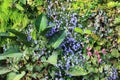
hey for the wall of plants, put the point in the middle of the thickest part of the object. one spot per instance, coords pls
(59, 40)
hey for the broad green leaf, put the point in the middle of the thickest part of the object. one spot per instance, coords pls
(115, 53)
(41, 22)
(4, 70)
(11, 53)
(77, 71)
(86, 31)
(23, 1)
(79, 30)
(53, 58)
(19, 7)
(19, 76)
(10, 75)
(21, 36)
(14, 76)
(57, 38)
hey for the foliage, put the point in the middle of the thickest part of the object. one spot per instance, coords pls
(59, 40)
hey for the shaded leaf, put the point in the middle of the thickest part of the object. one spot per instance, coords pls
(21, 36)
(41, 22)
(2, 34)
(57, 38)
(11, 53)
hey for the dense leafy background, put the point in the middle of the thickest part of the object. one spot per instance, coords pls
(59, 40)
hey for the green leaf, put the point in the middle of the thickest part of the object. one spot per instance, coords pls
(19, 76)
(53, 58)
(41, 22)
(23, 1)
(19, 7)
(86, 31)
(57, 38)
(77, 71)
(11, 53)
(4, 70)
(79, 30)
(3, 34)
(51, 25)
(10, 75)
(21, 36)
(115, 53)
(14, 76)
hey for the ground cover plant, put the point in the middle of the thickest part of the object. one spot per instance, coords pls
(59, 40)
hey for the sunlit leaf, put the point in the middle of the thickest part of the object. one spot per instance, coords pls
(14, 76)
(77, 71)
(4, 70)
(118, 40)
(79, 30)
(87, 31)
(115, 53)
(19, 7)
(53, 58)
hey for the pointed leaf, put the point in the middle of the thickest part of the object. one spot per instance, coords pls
(19, 76)
(53, 59)
(4, 70)
(79, 30)
(87, 31)
(23, 1)
(19, 7)
(41, 22)
(57, 38)
(11, 53)
(21, 36)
